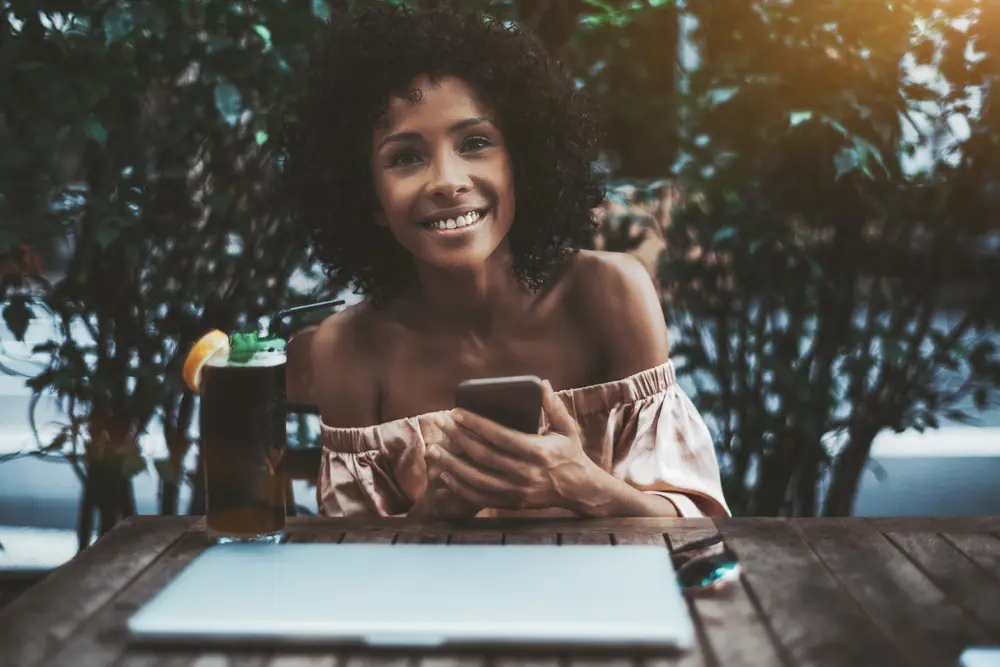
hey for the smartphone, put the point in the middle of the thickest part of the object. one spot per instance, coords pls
(514, 402)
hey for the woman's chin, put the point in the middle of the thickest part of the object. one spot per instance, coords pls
(466, 258)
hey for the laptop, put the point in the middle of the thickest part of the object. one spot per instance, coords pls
(422, 595)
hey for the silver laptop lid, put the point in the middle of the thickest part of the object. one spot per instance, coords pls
(422, 595)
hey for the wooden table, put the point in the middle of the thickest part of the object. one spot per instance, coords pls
(815, 591)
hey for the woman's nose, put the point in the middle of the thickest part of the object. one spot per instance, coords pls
(449, 176)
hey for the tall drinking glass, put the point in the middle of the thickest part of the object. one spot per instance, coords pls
(243, 440)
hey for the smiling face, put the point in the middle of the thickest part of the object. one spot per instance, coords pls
(443, 175)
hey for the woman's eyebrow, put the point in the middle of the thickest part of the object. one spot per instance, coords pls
(455, 127)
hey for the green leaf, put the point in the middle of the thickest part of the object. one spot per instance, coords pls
(110, 230)
(321, 10)
(17, 315)
(799, 117)
(264, 33)
(845, 161)
(229, 102)
(218, 43)
(96, 132)
(118, 23)
(261, 137)
(724, 233)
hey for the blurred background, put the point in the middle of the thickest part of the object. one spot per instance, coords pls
(813, 184)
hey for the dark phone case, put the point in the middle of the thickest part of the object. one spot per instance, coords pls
(515, 402)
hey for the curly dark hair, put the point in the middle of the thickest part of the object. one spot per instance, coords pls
(367, 56)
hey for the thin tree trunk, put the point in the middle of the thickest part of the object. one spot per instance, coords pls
(847, 472)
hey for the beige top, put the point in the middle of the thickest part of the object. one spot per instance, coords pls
(642, 429)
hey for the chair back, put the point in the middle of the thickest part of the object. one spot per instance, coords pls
(301, 462)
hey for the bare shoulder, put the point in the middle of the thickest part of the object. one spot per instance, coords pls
(614, 295)
(343, 353)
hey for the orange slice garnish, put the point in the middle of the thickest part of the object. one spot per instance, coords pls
(213, 343)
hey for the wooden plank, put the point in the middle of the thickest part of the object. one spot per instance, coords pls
(475, 537)
(213, 659)
(525, 661)
(602, 661)
(441, 660)
(249, 659)
(899, 598)
(681, 538)
(505, 524)
(530, 538)
(371, 659)
(961, 580)
(104, 637)
(303, 660)
(642, 539)
(312, 537)
(36, 623)
(810, 615)
(731, 630)
(140, 658)
(423, 537)
(387, 536)
(574, 538)
(983, 550)
(937, 524)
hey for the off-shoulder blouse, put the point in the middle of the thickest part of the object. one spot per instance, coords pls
(642, 429)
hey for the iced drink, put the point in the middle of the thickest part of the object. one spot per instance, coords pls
(243, 440)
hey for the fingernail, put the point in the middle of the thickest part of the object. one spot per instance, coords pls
(434, 452)
(457, 416)
(446, 478)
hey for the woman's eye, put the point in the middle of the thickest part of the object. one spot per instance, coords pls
(476, 144)
(404, 158)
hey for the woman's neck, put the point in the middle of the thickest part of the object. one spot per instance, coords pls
(484, 300)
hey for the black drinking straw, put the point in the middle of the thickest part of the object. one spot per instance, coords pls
(278, 316)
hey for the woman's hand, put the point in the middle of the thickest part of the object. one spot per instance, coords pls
(508, 469)
(439, 501)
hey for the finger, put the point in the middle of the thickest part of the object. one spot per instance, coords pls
(469, 473)
(560, 420)
(514, 443)
(469, 444)
(440, 423)
(465, 491)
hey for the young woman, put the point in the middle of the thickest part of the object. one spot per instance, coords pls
(445, 166)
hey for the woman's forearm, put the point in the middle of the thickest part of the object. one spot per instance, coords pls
(604, 495)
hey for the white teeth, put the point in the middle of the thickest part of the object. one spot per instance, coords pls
(457, 222)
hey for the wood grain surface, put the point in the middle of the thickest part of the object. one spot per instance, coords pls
(900, 591)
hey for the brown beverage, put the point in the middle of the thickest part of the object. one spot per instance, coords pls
(243, 440)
